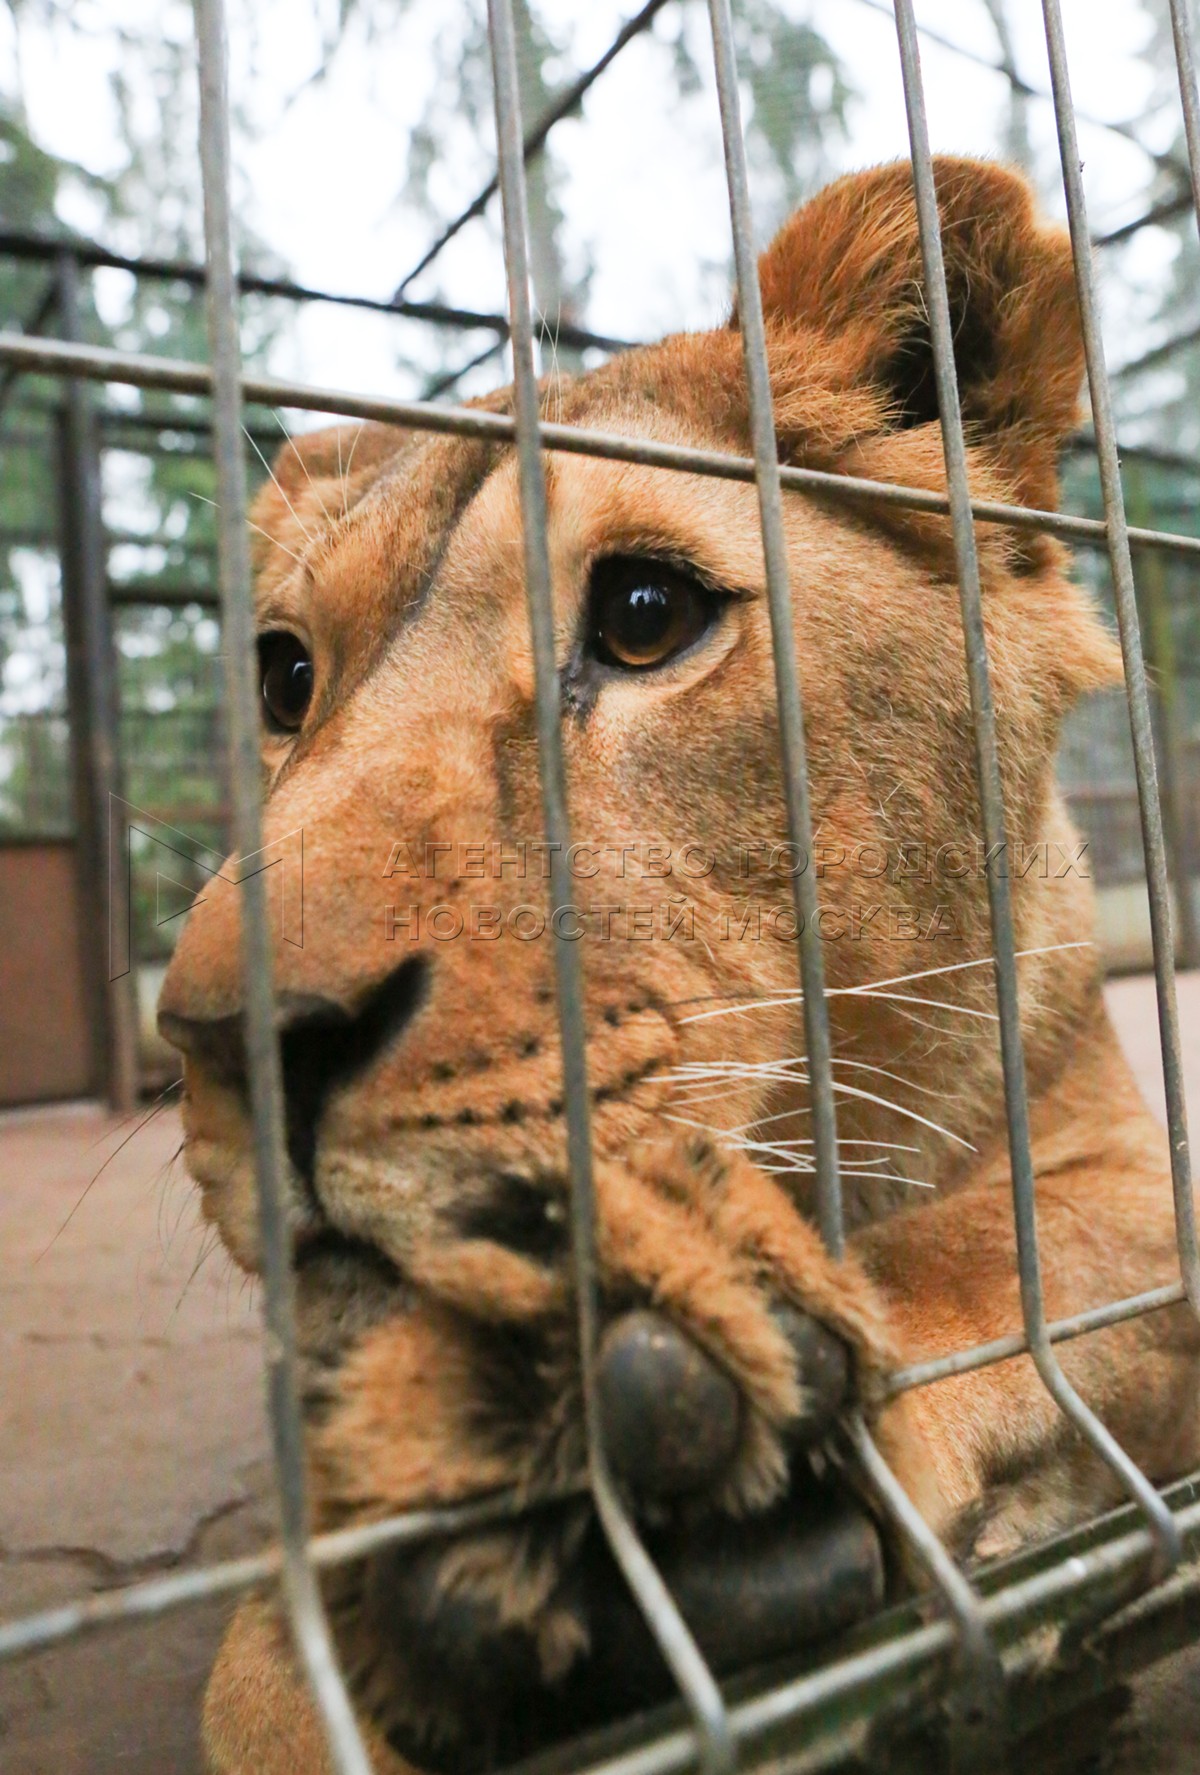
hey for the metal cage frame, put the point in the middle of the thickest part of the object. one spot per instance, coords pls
(1133, 1577)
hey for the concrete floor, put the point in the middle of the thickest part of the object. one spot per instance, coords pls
(132, 1438)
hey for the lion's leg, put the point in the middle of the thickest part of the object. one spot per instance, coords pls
(259, 1714)
(1008, 1468)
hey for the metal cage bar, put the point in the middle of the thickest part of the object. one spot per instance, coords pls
(1137, 693)
(783, 645)
(176, 376)
(1103, 1572)
(1185, 63)
(674, 1638)
(310, 1629)
(991, 807)
(537, 136)
(981, 1672)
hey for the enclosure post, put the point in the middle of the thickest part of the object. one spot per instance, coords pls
(93, 718)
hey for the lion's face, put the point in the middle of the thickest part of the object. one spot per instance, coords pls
(421, 1053)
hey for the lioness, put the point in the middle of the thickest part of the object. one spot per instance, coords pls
(420, 1043)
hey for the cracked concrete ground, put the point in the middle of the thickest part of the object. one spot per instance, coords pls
(132, 1437)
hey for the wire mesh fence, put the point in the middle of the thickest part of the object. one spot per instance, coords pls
(1133, 1576)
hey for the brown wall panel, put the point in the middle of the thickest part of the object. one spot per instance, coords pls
(45, 1051)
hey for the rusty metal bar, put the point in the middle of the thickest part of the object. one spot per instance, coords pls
(1000, 1349)
(1028, 1592)
(991, 802)
(1137, 693)
(670, 1631)
(158, 1596)
(310, 1629)
(783, 643)
(177, 376)
(854, 1686)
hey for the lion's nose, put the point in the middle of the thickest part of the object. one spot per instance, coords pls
(323, 1044)
(216, 1043)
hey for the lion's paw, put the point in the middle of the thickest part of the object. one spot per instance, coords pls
(730, 1343)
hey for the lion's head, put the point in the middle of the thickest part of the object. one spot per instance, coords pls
(420, 1042)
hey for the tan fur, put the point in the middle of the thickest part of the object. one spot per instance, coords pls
(410, 595)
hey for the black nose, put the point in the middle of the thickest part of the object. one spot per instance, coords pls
(323, 1044)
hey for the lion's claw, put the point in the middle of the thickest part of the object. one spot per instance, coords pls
(823, 1369)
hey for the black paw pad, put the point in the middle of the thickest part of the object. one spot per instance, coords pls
(670, 1417)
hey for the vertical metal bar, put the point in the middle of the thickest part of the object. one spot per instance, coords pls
(309, 1625)
(991, 802)
(1185, 62)
(1137, 694)
(978, 1735)
(981, 1689)
(787, 681)
(675, 1641)
(92, 693)
(567, 101)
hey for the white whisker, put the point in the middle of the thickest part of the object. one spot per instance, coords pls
(760, 1004)
(307, 534)
(782, 1148)
(256, 527)
(956, 967)
(897, 1078)
(292, 446)
(349, 462)
(873, 986)
(769, 1071)
(795, 1170)
(900, 1110)
(924, 1023)
(936, 1004)
(274, 539)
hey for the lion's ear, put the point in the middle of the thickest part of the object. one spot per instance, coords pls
(848, 268)
(316, 475)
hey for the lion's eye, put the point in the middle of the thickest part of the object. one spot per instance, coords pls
(644, 612)
(285, 672)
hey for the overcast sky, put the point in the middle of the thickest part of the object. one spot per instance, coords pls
(645, 192)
